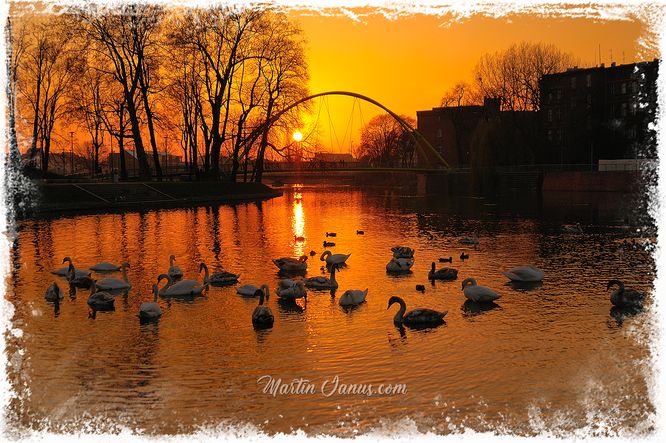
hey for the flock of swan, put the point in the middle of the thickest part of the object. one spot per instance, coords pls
(294, 285)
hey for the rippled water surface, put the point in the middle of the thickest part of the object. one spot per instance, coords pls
(551, 355)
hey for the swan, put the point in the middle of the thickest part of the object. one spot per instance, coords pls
(100, 301)
(572, 229)
(174, 270)
(471, 240)
(248, 290)
(149, 311)
(262, 317)
(524, 274)
(292, 264)
(105, 266)
(334, 259)
(625, 297)
(111, 284)
(291, 289)
(80, 281)
(64, 272)
(417, 317)
(402, 252)
(478, 294)
(442, 274)
(352, 297)
(181, 288)
(54, 293)
(322, 282)
(219, 278)
(399, 265)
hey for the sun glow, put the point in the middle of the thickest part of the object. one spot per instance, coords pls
(298, 136)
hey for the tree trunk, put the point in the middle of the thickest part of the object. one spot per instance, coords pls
(144, 168)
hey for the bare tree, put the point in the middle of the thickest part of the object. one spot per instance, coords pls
(384, 142)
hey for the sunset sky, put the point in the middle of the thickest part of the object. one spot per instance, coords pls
(408, 63)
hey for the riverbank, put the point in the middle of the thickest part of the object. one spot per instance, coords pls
(56, 198)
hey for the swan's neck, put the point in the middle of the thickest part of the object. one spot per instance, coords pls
(205, 268)
(333, 273)
(261, 297)
(400, 313)
(171, 260)
(324, 254)
(125, 274)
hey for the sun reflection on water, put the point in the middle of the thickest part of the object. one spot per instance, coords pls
(298, 222)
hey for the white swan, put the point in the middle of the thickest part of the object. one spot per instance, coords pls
(262, 317)
(334, 259)
(112, 284)
(322, 282)
(174, 270)
(181, 288)
(291, 291)
(399, 265)
(105, 267)
(352, 297)
(64, 272)
(248, 290)
(524, 274)
(479, 294)
(54, 293)
(402, 252)
(416, 317)
(292, 264)
(100, 300)
(149, 311)
(471, 240)
(219, 278)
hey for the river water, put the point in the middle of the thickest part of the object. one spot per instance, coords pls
(552, 356)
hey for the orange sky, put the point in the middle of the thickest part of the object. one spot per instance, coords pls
(407, 64)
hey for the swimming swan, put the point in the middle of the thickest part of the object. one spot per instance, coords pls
(625, 297)
(352, 297)
(417, 317)
(181, 288)
(105, 267)
(150, 311)
(479, 294)
(442, 274)
(54, 293)
(524, 274)
(100, 300)
(402, 252)
(291, 290)
(292, 264)
(399, 265)
(334, 259)
(174, 270)
(219, 278)
(111, 284)
(64, 272)
(248, 290)
(322, 282)
(262, 317)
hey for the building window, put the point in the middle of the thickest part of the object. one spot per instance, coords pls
(573, 82)
(559, 95)
(634, 87)
(550, 115)
(550, 97)
(623, 88)
(633, 108)
(588, 80)
(624, 109)
(550, 135)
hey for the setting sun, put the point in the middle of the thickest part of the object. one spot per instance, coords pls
(298, 136)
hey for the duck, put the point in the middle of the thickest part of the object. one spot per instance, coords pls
(54, 294)
(524, 274)
(446, 260)
(248, 290)
(402, 252)
(572, 229)
(299, 238)
(442, 274)
(100, 300)
(64, 272)
(291, 264)
(331, 234)
(105, 267)
(321, 282)
(359, 232)
(352, 297)
(150, 311)
(478, 294)
(110, 284)
(416, 317)
(625, 297)
(80, 281)
(262, 317)
(328, 244)
(174, 270)
(290, 289)
(399, 265)
(313, 253)
(464, 256)
(420, 288)
(334, 259)
(471, 240)
(220, 278)
(181, 288)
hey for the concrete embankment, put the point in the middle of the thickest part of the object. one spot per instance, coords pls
(53, 198)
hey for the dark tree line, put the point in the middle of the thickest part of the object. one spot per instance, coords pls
(209, 79)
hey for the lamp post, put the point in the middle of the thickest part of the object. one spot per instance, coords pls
(71, 152)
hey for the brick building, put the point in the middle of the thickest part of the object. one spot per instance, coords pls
(599, 113)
